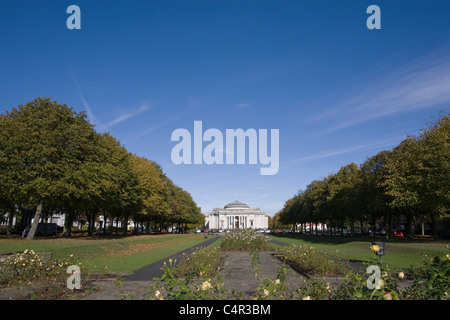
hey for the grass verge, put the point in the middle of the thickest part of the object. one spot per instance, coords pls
(401, 254)
(104, 254)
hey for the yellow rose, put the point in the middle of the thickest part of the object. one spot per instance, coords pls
(206, 285)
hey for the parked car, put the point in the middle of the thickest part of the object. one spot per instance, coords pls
(445, 234)
(43, 229)
(139, 231)
(103, 231)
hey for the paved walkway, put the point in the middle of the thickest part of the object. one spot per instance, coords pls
(239, 274)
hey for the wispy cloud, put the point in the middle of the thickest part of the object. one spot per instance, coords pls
(348, 149)
(152, 128)
(128, 115)
(424, 83)
(91, 117)
(243, 105)
(94, 120)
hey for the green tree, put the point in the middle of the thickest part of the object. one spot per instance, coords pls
(121, 192)
(8, 190)
(44, 141)
(375, 200)
(402, 180)
(183, 208)
(435, 168)
(345, 192)
(153, 190)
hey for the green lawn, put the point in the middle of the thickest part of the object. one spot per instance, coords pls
(103, 254)
(401, 254)
(126, 254)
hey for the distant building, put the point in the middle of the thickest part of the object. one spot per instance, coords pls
(237, 215)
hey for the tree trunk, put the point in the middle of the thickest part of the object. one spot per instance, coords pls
(10, 221)
(34, 226)
(388, 225)
(104, 225)
(94, 216)
(374, 227)
(410, 221)
(434, 226)
(91, 219)
(352, 226)
(125, 224)
(67, 232)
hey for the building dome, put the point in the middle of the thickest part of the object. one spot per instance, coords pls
(236, 215)
(236, 205)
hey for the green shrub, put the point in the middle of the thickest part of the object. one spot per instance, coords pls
(355, 287)
(37, 277)
(22, 268)
(171, 287)
(431, 280)
(309, 260)
(201, 263)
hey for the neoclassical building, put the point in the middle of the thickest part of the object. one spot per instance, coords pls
(237, 215)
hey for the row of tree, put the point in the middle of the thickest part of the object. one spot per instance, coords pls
(53, 160)
(411, 182)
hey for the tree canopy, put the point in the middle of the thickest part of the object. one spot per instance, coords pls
(53, 160)
(411, 181)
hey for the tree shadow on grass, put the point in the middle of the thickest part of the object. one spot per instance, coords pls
(335, 240)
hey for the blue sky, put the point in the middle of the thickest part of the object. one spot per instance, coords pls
(337, 91)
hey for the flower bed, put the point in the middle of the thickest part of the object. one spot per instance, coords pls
(36, 275)
(245, 240)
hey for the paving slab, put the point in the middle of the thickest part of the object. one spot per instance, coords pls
(239, 274)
